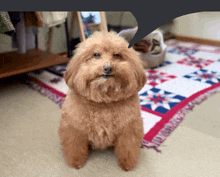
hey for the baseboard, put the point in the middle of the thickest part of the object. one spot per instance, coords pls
(196, 40)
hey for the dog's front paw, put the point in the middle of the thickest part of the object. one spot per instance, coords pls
(76, 162)
(128, 163)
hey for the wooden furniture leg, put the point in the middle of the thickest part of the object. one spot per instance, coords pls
(72, 24)
(80, 25)
(49, 42)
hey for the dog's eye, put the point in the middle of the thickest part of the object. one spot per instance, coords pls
(116, 55)
(97, 55)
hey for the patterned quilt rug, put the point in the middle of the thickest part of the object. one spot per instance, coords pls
(190, 74)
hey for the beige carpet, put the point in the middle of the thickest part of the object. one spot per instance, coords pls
(30, 147)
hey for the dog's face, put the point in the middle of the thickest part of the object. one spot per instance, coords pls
(104, 69)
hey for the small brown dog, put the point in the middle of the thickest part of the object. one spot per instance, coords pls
(102, 107)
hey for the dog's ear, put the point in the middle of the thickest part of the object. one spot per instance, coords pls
(82, 53)
(140, 76)
(72, 69)
(141, 79)
(138, 69)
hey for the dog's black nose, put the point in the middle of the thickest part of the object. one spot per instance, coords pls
(107, 69)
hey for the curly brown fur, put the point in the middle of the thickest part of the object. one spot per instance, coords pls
(100, 110)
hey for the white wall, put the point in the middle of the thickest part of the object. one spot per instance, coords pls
(201, 25)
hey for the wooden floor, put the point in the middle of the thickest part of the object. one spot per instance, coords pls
(13, 63)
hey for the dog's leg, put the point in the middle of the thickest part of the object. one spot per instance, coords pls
(74, 146)
(128, 145)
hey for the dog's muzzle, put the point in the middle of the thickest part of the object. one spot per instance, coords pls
(107, 70)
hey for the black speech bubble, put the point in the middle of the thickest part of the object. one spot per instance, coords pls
(157, 13)
(147, 25)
